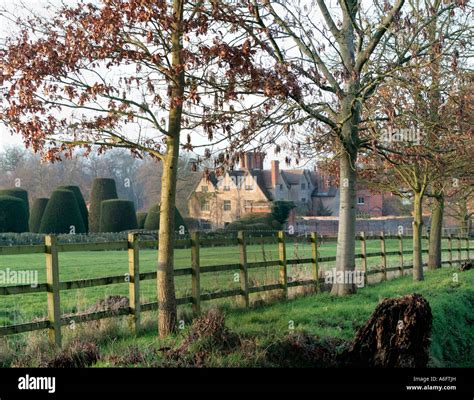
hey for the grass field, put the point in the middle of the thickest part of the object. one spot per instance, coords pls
(84, 265)
(320, 315)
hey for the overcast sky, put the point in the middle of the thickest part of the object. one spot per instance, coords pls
(6, 139)
(38, 6)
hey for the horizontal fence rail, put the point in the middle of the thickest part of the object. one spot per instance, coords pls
(53, 286)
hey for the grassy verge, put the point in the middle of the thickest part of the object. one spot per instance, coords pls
(258, 329)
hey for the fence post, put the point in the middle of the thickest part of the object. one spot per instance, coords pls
(467, 247)
(196, 273)
(363, 251)
(244, 274)
(400, 252)
(134, 282)
(52, 280)
(314, 248)
(450, 249)
(459, 250)
(283, 267)
(384, 256)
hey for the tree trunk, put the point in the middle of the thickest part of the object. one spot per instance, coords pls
(417, 237)
(345, 252)
(464, 219)
(434, 259)
(165, 274)
(345, 255)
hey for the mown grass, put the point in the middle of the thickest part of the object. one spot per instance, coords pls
(85, 265)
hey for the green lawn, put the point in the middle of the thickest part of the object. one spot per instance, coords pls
(84, 265)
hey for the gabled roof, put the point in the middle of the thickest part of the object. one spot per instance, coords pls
(258, 175)
(293, 176)
(260, 178)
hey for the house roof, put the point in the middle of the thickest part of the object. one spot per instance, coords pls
(262, 183)
(260, 176)
(264, 180)
(293, 176)
(266, 175)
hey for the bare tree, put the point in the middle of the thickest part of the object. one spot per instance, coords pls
(326, 63)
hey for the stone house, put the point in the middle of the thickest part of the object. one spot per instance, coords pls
(218, 201)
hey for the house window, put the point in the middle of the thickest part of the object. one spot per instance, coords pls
(205, 206)
(248, 203)
(226, 188)
(303, 186)
(227, 205)
(360, 201)
(204, 189)
(303, 200)
(248, 187)
(281, 187)
(205, 224)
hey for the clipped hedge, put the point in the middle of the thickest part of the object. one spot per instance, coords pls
(62, 212)
(258, 222)
(102, 189)
(117, 216)
(13, 215)
(80, 202)
(152, 222)
(37, 211)
(18, 193)
(141, 218)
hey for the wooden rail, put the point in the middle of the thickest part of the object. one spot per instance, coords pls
(53, 286)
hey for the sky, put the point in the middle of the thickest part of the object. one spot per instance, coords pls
(6, 138)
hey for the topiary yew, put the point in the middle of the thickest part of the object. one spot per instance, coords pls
(20, 194)
(62, 214)
(152, 222)
(102, 189)
(13, 215)
(80, 202)
(37, 211)
(117, 216)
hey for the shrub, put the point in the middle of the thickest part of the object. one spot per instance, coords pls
(255, 222)
(281, 210)
(117, 216)
(102, 189)
(80, 202)
(152, 222)
(37, 211)
(141, 217)
(20, 194)
(13, 215)
(62, 213)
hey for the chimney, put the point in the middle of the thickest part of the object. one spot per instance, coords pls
(256, 160)
(275, 172)
(252, 160)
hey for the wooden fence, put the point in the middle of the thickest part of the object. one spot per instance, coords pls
(53, 286)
